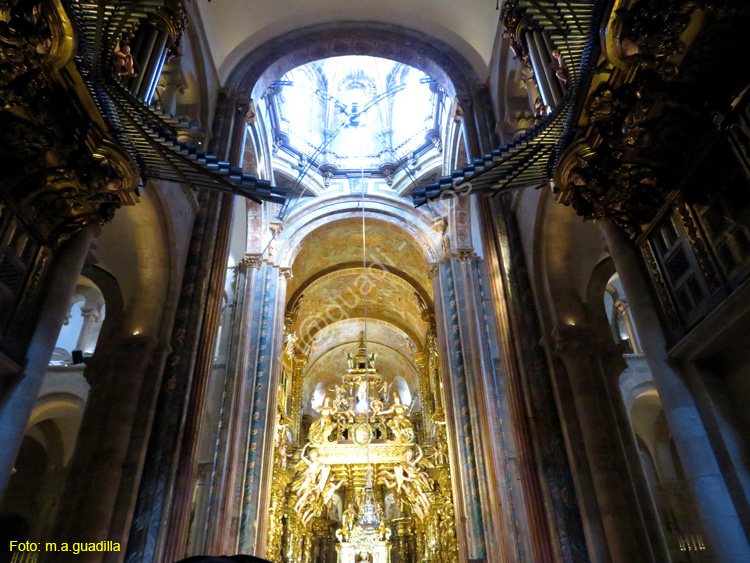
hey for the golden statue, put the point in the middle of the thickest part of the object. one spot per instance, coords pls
(309, 471)
(410, 483)
(440, 450)
(321, 429)
(350, 518)
(400, 424)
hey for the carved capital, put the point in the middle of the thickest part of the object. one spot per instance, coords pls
(250, 115)
(575, 339)
(172, 18)
(466, 255)
(598, 186)
(252, 261)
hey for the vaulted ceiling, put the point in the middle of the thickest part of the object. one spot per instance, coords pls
(329, 290)
(237, 27)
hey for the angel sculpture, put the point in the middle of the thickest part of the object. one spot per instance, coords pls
(314, 506)
(123, 62)
(440, 451)
(310, 472)
(411, 483)
(385, 391)
(321, 429)
(403, 430)
(411, 468)
(310, 482)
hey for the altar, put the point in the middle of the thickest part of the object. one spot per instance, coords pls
(379, 552)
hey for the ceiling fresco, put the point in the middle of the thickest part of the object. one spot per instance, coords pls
(341, 294)
(340, 242)
(327, 293)
(347, 332)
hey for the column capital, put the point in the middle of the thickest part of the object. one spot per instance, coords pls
(252, 261)
(466, 255)
(573, 338)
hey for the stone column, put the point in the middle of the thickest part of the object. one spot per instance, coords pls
(60, 283)
(101, 483)
(232, 440)
(483, 501)
(579, 348)
(91, 319)
(721, 523)
(148, 534)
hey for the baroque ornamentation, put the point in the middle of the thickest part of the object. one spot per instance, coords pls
(644, 125)
(362, 480)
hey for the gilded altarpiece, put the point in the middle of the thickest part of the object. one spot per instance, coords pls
(363, 484)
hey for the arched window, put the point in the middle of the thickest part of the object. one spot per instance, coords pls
(618, 313)
(402, 387)
(83, 324)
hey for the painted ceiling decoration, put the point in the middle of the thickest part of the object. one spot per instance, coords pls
(355, 113)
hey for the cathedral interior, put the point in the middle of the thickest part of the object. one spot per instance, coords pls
(374, 282)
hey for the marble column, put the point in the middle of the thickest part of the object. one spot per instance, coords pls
(721, 524)
(261, 381)
(18, 403)
(537, 405)
(473, 409)
(226, 492)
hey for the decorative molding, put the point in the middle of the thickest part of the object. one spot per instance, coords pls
(652, 109)
(699, 245)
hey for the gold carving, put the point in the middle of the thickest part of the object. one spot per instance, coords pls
(362, 457)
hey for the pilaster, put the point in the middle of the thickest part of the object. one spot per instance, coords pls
(266, 336)
(149, 532)
(555, 527)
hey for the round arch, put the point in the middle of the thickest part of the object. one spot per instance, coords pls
(415, 224)
(262, 66)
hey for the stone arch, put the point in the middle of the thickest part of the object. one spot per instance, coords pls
(255, 72)
(415, 224)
